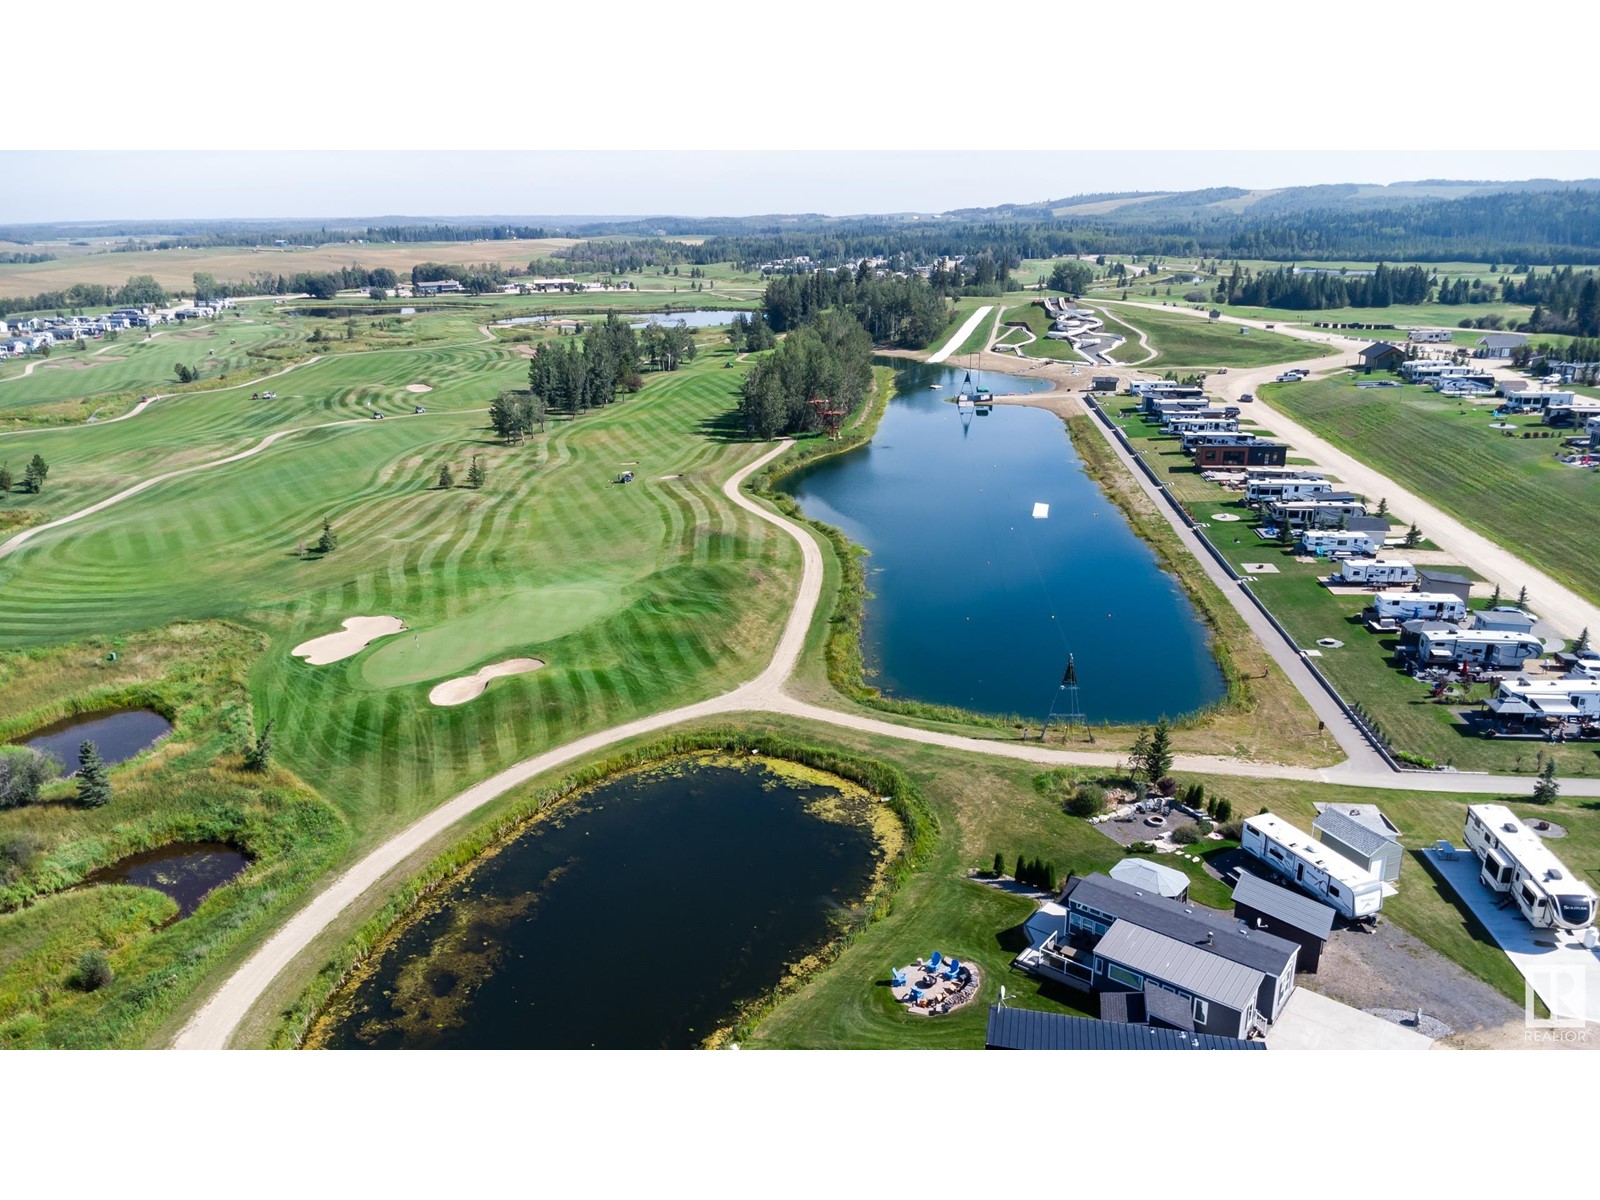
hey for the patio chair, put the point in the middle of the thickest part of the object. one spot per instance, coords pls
(936, 959)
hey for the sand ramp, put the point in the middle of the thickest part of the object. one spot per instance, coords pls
(470, 687)
(358, 632)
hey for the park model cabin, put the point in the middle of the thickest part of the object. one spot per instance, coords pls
(1270, 491)
(1250, 455)
(1377, 572)
(1485, 648)
(1179, 426)
(1193, 441)
(1414, 606)
(1514, 860)
(1169, 419)
(1311, 866)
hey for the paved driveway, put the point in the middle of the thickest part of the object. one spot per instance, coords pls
(1313, 1022)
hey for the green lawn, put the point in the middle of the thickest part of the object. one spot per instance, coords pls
(1510, 489)
(1185, 342)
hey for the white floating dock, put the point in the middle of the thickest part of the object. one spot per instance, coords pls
(1041, 511)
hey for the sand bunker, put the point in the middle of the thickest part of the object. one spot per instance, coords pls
(418, 387)
(470, 687)
(358, 633)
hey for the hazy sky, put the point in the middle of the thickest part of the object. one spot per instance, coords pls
(128, 184)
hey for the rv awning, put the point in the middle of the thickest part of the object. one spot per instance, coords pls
(1557, 708)
(1510, 707)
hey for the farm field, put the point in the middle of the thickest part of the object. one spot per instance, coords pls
(1510, 489)
(175, 269)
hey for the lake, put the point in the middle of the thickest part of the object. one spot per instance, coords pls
(977, 603)
(117, 735)
(644, 913)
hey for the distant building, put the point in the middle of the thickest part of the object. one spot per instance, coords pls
(1382, 356)
(1500, 345)
(1428, 335)
(435, 287)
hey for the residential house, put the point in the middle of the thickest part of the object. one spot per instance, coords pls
(1358, 841)
(1287, 914)
(1186, 950)
(1031, 1029)
(1500, 345)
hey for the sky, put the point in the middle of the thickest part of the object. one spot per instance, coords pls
(83, 185)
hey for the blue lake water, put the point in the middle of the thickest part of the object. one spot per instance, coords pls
(976, 602)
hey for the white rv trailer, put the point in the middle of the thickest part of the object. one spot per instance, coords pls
(1515, 860)
(1311, 866)
(1485, 647)
(1415, 606)
(1327, 543)
(1199, 423)
(1270, 491)
(1377, 572)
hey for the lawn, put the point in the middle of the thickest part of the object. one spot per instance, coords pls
(1510, 489)
(1187, 342)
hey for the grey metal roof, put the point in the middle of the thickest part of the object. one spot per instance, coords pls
(1363, 839)
(1193, 968)
(1500, 341)
(1292, 908)
(1183, 921)
(1367, 525)
(1441, 576)
(1369, 815)
(1027, 1029)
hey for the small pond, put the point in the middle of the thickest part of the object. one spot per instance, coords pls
(694, 320)
(186, 871)
(118, 735)
(643, 914)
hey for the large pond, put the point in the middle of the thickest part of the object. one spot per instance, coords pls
(977, 602)
(186, 871)
(118, 735)
(645, 913)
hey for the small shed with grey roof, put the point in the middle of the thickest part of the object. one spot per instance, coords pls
(1359, 842)
(1220, 993)
(1447, 582)
(1029, 1029)
(1293, 916)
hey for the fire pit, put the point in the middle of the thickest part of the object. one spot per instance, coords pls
(1155, 819)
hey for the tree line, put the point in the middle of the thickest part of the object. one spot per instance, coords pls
(907, 312)
(829, 359)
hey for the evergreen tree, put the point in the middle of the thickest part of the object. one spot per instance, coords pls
(999, 864)
(1383, 507)
(1158, 754)
(5, 478)
(258, 755)
(475, 473)
(1494, 600)
(94, 789)
(446, 480)
(1582, 643)
(33, 477)
(327, 543)
(1522, 597)
(1020, 870)
(1546, 789)
(1413, 536)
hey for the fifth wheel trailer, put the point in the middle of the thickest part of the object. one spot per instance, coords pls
(1311, 866)
(1514, 860)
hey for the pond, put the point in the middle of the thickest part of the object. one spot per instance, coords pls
(644, 913)
(118, 735)
(186, 871)
(977, 602)
(705, 319)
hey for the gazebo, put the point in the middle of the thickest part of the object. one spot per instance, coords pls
(1152, 877)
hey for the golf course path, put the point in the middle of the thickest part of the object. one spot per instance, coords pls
(17, 540)
(213, 1025)
(960, 335)
(1556, 603)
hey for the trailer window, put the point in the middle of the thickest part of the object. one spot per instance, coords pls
(1529, 896)
(1125, 977)
(1202, 1011)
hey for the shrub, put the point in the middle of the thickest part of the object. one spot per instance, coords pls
(1232, 830)
(999, 867)
(1142, 848)
(1187, 835)
(1167, 786)
(22, 773)
(93, 971)
(1223, 812)
(1203, 827)
(1089, 800)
